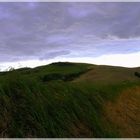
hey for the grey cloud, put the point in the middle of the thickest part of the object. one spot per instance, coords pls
(47, 30)
(54, 54)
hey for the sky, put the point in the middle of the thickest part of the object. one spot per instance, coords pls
(33, 33)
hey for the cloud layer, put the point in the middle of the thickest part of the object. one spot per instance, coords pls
(44, 31)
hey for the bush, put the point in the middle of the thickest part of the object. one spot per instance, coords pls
(137, 74)
(53, 76)
(63, 77)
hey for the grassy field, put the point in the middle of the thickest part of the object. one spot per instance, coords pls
(70, 100)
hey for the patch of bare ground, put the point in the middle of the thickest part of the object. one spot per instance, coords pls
(124, 113)
(108, 75)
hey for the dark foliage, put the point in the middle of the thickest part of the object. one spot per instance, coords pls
(53, 76)
(63, 77)
(62, 64)
(137, 74)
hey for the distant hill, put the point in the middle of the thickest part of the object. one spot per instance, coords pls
(70, 100)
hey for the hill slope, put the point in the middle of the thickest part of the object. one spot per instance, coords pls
(70, 100)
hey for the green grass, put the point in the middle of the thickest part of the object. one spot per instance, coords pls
(45, 111)
(30, 107)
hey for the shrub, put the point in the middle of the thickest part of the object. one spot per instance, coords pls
(137, 74)
(63, 77)
(53, 76)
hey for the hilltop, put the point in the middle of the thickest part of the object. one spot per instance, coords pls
(70, 100)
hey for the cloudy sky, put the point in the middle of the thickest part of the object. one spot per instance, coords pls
(36, 33)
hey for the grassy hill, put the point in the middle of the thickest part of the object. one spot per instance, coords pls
(70, 100)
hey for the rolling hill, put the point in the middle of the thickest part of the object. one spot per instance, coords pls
(70, 100)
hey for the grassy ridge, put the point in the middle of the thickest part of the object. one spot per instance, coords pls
(30, 107)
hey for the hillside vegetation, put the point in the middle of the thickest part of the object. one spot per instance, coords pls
(70, 100)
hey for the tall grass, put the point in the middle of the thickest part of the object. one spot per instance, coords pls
(29, 108)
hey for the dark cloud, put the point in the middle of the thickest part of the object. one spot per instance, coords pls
(54, 54)
(47, 30)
